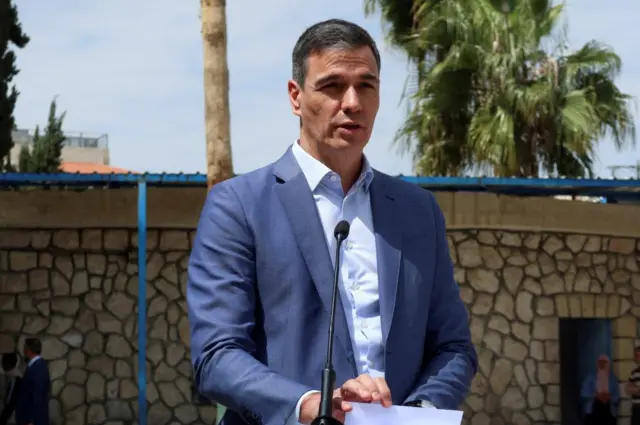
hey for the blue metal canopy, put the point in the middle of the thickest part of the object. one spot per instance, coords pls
(620, 189)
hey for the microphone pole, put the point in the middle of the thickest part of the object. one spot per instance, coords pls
(325, 412)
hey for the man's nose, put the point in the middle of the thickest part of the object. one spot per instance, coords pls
(351, 100)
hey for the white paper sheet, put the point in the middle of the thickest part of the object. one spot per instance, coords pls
(375, 414)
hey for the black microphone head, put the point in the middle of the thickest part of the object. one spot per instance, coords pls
(342, 230)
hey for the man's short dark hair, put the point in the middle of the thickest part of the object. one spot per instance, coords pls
(34, 345)
(9, 361)
(328, 35)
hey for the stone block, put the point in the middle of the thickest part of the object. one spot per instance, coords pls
(545, 328)
(623, 348)
(623, 368)
(562, 306)
(575, 306)
(625, 326)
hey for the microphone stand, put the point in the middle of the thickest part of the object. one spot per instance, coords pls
(325, 412)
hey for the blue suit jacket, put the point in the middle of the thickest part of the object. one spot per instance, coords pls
(259, 291)
(32, 403)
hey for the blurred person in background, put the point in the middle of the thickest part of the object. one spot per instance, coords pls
(600, 395)
(10, 369)
(633, 390)
(32, 404)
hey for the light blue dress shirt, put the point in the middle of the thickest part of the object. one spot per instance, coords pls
(359, 268)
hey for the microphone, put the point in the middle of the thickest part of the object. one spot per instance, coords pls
(325, 416)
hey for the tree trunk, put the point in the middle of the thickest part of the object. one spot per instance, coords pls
(216, 91)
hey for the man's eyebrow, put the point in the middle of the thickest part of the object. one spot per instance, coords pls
(334, 77)
(370, 77)
(326, 79)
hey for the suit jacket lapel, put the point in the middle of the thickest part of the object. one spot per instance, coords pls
(10, 388)
(388, 232)
(300, 208)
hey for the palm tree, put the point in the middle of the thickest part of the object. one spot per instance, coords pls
(404, 24)
(216, 91)
(400, 20)
(491, 99)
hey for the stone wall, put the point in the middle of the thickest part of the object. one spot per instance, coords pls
(516, 286)
(68, 274)
(77, 291)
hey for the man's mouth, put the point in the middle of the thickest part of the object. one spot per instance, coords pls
(350, 126)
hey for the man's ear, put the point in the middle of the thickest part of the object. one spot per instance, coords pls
(295, 91)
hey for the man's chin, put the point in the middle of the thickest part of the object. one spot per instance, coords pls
(343, 141)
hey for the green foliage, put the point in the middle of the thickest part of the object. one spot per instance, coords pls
(487, 96)
(45, 156)
(11, 34)
(24, 160)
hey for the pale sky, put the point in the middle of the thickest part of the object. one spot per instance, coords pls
(133, 70)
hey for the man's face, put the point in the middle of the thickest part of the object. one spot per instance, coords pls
(340, 98)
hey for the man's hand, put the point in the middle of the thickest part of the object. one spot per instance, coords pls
(632, 389)
(311, 404)
(604, 397)
(365, 389)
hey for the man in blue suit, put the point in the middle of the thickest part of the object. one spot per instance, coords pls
(32, 404)
(260, 272)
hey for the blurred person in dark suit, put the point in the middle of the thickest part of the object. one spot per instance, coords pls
(10, 368)
(32, 404)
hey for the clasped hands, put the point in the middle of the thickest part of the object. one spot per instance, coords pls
(363, 389)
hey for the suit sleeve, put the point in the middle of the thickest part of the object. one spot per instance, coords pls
(222, 299)
(8, 408)
(450, 358)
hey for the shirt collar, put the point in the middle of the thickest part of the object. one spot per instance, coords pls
(316, 172)
(33, 360)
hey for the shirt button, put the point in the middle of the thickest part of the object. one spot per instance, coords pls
(334, 178)
(349, 245)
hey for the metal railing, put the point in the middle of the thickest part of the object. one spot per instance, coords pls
(74, 139)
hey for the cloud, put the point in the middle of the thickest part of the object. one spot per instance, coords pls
(133, 70)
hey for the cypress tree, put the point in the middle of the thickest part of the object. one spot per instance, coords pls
(11, 35)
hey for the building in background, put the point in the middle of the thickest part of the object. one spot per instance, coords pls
(82, 153)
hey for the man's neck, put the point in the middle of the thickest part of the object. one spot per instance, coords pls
(347, 165)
